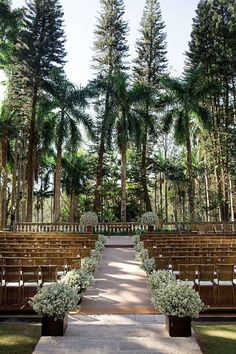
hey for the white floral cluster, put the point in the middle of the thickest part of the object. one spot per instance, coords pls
(136, 239)
(55, 300)
(148, 264)
(149, 218)
(89, 218)
(159, 279)
(79, 279)
(172, 297)
(90, 264)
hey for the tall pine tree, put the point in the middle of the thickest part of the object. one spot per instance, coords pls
(150, 65)
(111, 50)
(40, 48)
(213, 48)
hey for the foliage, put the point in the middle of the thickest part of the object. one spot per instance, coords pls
(78, 279)
(55, 300)
(176, 299)
(149, 218)
(160, 279)
(19, 337)
(90, 264)
(89, 218)
(148, 265)
(212, 337)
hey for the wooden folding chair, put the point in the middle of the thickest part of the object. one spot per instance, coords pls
(162, 263)
(187, 274)
(12, 278)
(206, 277)
(48, 274)
(225, 277)
(30, 278)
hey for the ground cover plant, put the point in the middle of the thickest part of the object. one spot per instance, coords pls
(216, 338)
(20, 338)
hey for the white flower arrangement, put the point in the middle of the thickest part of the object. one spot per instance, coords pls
(139, 246)
(89, 218)
(136, 239)
(89, 264)
(96, 255)
(55, 300)
(102, 239)
(149, 218)
(142, 255)
(99, 245)
(178, 300)
(159, 279)
(79, 279)
(148, 265)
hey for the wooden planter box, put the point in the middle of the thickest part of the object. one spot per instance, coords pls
(178, 326)
(53, 328)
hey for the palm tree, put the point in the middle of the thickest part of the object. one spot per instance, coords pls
(184, 101)
(128, 122)
(69, 104)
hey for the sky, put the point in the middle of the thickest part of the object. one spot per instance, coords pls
(80, 19)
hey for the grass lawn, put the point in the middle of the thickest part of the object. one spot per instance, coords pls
(19, 338)
(216, 338)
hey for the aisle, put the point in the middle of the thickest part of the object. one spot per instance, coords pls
(120, 285)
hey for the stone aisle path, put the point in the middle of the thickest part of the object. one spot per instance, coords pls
(120, 285)
(116, 315)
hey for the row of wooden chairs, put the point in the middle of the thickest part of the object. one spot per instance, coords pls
(82, 252)
(61, 262)
(210, 275)
(30, 276)
(173, 262)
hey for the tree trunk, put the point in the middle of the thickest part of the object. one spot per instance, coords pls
(57, 184)
(123, 182)
(191, 185)
(97, 196)
(31, 158)
(72, 206)
(3, 179)
(146, 197)
(207, 199)
(231, 199)
(166, 199)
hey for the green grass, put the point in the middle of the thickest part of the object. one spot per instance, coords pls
(19, 338)
(216, 338)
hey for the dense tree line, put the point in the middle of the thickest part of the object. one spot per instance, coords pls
(156, 143)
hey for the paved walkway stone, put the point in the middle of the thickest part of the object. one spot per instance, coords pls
(117, 334)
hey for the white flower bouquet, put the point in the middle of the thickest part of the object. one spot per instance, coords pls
(89, 264)
(89, 218)
(159, 279)
(149, 218)
(78, 279)
(96, 255)
(148, 265)
(178, 300)
(102, 239)
(55, 300)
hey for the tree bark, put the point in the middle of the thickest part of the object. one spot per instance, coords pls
(57, 184)
(97, 196)
(191, 184)
(3, 179)
(144, 173)
(123, 182)
(31, 158)
(72, 206)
